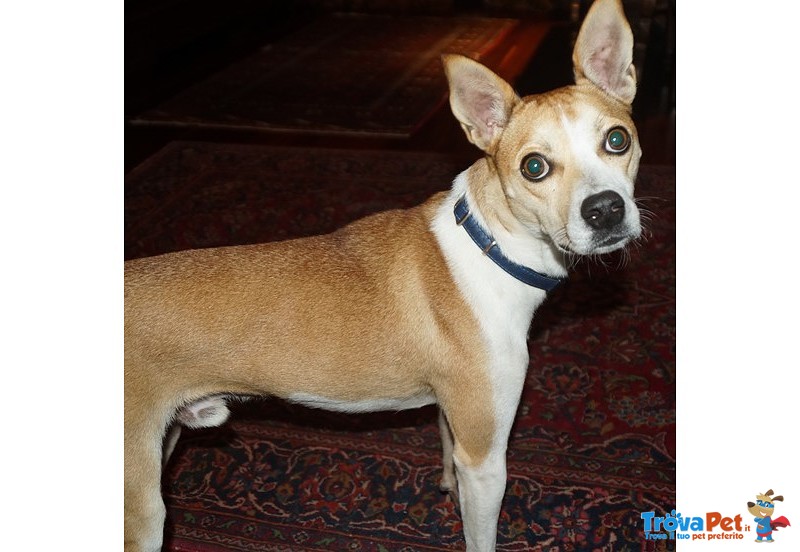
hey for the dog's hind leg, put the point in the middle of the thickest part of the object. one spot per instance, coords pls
(173, 435)
(144, 508)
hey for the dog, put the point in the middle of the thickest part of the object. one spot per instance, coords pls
(404, 308)
(762, 511)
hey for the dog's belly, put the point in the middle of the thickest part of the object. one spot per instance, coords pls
(366, 405)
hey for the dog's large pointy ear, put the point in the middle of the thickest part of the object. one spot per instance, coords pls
(603, 53)
(480, 100)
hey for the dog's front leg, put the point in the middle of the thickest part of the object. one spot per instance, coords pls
(481, 489)
(479, 408)
(448, 483)
(479, 431)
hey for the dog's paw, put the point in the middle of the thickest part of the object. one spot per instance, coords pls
(449, 485)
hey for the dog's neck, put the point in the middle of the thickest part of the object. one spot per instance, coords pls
(522, 244)
(488, 245)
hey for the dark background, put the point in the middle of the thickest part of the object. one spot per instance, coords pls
(170, 44)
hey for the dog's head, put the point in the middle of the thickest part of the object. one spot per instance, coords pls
(566, 160)
(764, 505)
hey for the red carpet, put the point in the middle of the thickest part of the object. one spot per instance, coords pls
(297, 84)
(593, 445)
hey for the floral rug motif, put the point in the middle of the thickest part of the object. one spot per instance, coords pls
(594, 441)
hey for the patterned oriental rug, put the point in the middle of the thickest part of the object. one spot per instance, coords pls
(296, 84)
(594, 442)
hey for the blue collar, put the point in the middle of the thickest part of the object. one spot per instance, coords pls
(486, 242)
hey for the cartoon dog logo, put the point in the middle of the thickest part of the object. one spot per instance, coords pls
(762, 509)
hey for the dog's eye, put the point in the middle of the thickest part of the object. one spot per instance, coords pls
(617, 140)
(534, 167)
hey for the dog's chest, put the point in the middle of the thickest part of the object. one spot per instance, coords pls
(503, 305)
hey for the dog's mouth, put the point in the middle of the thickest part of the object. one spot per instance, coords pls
(598, 246)
(613, 241)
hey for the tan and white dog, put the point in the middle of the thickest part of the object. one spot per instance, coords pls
(405, 308)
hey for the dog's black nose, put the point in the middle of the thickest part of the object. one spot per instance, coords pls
(603, 211)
